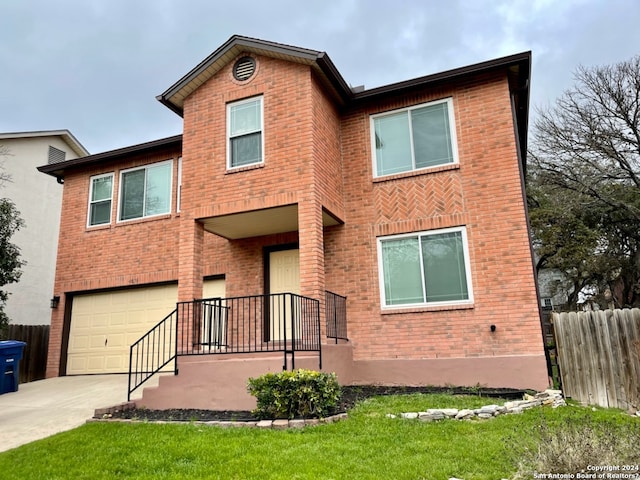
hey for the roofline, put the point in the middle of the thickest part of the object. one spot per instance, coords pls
(57, 169)
(320, 58)
(522, 62)
(454, 74)
(66, 135)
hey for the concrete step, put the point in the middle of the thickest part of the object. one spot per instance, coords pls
(216, 382)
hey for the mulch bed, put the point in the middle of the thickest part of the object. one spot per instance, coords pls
(351, 395)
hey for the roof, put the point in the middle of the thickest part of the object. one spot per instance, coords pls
(66, 135)
(57, 169)
(518, 68)
(174, 96)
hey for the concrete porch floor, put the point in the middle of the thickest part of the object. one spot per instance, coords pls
(45, 407)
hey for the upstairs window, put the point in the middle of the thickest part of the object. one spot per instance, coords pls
(244, 131)
(414, 138)
(145, 191)
(424, 268)
(100, 195)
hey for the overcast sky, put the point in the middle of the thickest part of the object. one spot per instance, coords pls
(95, 66)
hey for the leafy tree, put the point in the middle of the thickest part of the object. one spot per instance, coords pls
(584, 183)
(10, 263)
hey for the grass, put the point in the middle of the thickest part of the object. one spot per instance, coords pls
(367, 445)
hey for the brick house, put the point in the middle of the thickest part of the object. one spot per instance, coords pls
(285, 186)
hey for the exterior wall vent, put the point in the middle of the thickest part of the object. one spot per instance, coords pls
(244, 68)
(56, 155)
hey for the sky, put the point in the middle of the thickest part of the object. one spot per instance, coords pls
(94, 67)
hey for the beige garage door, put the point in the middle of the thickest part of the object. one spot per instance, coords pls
(104, 325)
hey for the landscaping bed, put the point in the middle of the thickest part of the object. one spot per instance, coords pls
(350, 396)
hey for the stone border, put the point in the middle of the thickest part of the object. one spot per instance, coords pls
(550, 397)
(280, 424)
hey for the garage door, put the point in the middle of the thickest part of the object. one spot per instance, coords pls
(104, 325)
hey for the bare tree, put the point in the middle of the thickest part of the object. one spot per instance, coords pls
(585, 160)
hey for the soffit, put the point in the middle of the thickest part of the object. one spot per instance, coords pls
(256, 223)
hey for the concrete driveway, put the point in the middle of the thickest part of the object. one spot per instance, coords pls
(45, 407)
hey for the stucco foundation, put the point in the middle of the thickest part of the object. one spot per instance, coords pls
(220, 383)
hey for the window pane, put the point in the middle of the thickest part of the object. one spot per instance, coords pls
(431, 136)
(132, 195)
(393, 148)
(246, 150)
(158, 192)
(401, 268)
(445, 277)
(245, 118)
(101, 188)
(100, 213)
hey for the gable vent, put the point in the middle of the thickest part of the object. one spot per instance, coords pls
(244, 68)
(56, 155)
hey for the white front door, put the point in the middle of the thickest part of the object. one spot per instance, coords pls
(284, 277)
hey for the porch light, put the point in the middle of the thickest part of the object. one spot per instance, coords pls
(55, 301)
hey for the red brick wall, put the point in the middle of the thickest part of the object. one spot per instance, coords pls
(483, 193)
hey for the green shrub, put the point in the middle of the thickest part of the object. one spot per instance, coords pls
(301, 393)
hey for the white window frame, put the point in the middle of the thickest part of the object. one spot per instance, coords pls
(229, 137)
(467, 267)
(91, 202)
(452, 135)
(179, 186)
(121, 196)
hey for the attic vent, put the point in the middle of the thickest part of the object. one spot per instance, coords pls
(56, 155)
(244, 68)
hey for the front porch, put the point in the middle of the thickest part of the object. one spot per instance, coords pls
(263, 326)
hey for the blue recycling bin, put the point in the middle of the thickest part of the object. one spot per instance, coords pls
(10, 355)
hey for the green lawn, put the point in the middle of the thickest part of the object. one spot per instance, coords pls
(365, 446)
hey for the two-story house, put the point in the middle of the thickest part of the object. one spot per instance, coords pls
(378, 233)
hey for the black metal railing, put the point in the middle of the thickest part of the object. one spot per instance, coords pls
(153, 352)
(279, 322)
(335, 308)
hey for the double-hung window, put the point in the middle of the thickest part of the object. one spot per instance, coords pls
(244, 132)
(100, 194)
(425, 268)
(414, 138)
(145, 191)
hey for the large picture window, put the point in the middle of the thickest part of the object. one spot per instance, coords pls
(414, 138)
(100, 195)
(424, 268)
(145, 191)
(244, 131)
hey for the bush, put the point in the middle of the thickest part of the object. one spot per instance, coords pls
(571, 446)
(301, 393)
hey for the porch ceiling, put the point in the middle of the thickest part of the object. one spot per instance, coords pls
(256, 223)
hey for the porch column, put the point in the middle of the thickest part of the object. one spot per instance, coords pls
(311, 241)
(189, 279)
(190, 259)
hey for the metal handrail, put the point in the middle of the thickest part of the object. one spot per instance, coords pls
(153, 351)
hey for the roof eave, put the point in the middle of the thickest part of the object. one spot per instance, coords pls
(58, 169)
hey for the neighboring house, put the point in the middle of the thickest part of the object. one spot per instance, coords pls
(406, 199)
(39, 199)
(554, 288)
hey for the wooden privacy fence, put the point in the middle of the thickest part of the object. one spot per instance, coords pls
(33, 365)
(599, 356)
